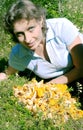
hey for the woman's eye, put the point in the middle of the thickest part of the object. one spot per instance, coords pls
(19, 35)
(31, 28)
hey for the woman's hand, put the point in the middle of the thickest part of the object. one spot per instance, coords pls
(8, 71)
(3, 76)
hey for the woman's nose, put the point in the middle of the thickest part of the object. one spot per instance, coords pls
(27, 37)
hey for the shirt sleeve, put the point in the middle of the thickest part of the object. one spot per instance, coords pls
(18, 58)
(15, 63)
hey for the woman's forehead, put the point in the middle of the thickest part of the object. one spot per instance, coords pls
(26, 21)
(23, 24)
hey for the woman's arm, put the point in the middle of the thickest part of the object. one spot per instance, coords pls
(76, 51)
(8, 71)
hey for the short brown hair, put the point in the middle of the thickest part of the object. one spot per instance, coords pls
(23, 9)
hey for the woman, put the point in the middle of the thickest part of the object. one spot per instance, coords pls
(52, 48)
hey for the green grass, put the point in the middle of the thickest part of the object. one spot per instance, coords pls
(13, 115)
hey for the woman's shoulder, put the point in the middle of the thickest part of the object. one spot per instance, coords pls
(17, 48)
(55, 26)
(20, 50)
(54, 20)
(57, 23)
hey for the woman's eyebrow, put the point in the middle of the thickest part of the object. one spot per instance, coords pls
(19, 32)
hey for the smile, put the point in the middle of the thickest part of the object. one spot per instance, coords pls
(29, 44)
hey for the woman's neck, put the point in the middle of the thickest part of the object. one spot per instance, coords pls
(41, 51)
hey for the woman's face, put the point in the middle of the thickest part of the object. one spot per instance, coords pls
(29, 33)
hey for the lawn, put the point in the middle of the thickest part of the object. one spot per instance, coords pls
(13, 114)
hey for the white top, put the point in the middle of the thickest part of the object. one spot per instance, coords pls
(61, 33)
